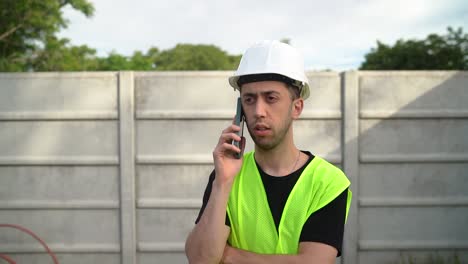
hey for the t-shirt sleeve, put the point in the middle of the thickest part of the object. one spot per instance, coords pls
(327, 224)
(206, 197)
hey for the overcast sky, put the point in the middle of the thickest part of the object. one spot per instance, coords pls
(332, 34)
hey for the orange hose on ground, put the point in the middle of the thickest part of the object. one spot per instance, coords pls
(7, 258)
(31, 233)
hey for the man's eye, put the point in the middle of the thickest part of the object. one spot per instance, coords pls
(248, 100)
(272, 98)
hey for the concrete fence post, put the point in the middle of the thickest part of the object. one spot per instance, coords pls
(127, 167)
(350, 143)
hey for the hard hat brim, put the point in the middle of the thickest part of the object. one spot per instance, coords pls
(304, 89)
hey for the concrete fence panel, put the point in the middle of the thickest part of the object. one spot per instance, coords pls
(413, 153)
(59, 166)
(111, 167)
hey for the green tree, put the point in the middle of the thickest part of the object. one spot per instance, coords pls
(58, 55)
(144, 62)
(27, 25)
(137, 62)
(114, 62)
(195, 57)
(445, 52)
(286, 40)
(28, 42)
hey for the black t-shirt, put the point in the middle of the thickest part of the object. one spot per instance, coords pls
(325, 225)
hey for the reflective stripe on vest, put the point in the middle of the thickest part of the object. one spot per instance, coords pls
(252, 225)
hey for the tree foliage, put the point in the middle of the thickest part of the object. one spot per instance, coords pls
(58, 55)
(26, 26)
(195, 57)
(137, 62)
(29, 42)
(436, 52)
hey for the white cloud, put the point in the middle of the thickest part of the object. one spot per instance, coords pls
(331, 34)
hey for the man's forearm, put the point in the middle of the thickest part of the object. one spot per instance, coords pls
(207, 240)
(239, 256)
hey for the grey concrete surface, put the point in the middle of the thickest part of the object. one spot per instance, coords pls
(110, 167)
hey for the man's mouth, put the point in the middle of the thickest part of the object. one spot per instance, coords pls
(261, 129)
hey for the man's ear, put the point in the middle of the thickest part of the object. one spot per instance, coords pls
(297, 107)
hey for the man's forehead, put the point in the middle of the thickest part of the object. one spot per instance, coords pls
(263, 87)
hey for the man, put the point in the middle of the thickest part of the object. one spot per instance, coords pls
(276, 204)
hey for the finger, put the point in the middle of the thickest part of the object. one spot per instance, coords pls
(229, 137)
(231, 128)
(227, 147)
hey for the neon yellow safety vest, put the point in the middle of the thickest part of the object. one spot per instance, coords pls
(252, 225)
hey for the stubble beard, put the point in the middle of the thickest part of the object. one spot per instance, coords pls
(278, 135)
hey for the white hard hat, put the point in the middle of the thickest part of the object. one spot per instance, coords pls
(275, 58)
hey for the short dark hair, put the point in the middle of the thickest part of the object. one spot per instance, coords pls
(294, 91)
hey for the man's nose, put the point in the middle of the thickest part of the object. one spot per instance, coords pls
(260, 109)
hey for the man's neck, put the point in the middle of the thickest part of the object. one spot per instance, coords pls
(279, 161)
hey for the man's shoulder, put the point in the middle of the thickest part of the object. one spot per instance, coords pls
(325, 172)
(327, 179)
(321, 165)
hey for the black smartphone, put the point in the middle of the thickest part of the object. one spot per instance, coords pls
(239, 121)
